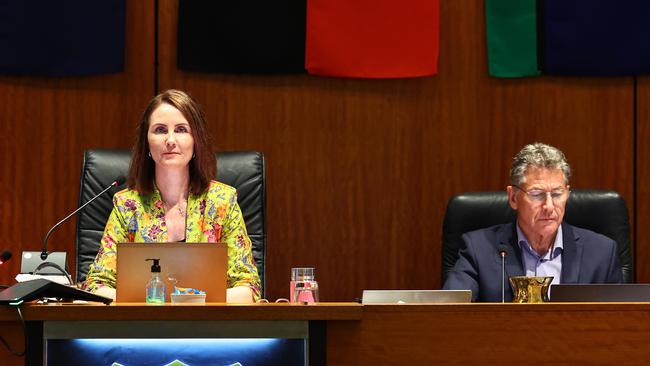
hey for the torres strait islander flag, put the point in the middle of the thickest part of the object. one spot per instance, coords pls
(568, 37)
(512, 37)
(372, 38)
(596, 37)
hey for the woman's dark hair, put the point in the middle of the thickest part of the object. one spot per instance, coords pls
(202, 166)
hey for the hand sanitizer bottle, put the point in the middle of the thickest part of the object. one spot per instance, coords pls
(156, 286)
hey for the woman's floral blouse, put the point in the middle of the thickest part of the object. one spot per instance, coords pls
(212, 217)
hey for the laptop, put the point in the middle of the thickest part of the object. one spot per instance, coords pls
(31, 260)
(600, 293)
(201, 266)
(415, 296)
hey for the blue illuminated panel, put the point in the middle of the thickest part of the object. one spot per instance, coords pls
(191, 352)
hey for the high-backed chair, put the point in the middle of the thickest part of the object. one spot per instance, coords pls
(241, 170)
(601, 211)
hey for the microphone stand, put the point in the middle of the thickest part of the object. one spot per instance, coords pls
(44, 252)
(503, 251)
(503, 276)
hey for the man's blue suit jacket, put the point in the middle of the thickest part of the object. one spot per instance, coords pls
(587, 257)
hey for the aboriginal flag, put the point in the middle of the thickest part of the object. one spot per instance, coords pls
(242, 36)
(372, 38)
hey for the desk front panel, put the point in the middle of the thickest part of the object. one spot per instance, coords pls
(493, 334)
(270, 328)
(589, 333)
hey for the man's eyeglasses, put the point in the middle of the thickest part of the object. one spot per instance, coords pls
(538, 195)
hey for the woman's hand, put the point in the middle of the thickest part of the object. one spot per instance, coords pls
(106, 292)
(239, 294)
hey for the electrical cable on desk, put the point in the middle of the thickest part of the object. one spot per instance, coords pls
(57, 267)
(22, 322)
(265, 301)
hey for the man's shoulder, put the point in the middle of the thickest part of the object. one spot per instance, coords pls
(492, 231)
(493, 235)
(589, 236)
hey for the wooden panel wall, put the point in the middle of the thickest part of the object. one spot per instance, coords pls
(47, 123)
(642, 178)
(358, 171)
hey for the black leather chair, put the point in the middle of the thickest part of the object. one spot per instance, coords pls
(604, 212)
(242, 170)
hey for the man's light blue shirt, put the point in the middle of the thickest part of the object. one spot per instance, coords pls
(550, 264)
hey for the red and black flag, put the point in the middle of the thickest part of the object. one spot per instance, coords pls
(372, 38)
(242, 36)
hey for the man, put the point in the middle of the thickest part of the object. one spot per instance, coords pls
(538, 243)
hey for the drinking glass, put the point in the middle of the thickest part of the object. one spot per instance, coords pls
(303, 288)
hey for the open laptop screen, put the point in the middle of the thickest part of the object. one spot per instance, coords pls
(198, 265)
(415, 296)
(31, 260)
(600, 293)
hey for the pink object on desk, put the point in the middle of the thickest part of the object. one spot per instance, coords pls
(303, 288)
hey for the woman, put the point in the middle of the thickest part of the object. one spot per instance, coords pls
(172, 197)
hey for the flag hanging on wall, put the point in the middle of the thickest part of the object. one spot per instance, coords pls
(372, 38)
(511, 37)
(571, 38)
(239, 37)
(596, 37)
(62, 38)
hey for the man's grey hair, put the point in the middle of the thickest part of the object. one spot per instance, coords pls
(538, 155)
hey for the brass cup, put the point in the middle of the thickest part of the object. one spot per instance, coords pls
(530, 290)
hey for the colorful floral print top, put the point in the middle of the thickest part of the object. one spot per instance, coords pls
(212, 217)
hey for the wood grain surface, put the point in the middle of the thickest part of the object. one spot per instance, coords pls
(358, 171)
(504, 334)
(567, 334)
(47, 123)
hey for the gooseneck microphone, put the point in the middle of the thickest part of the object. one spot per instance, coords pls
(503, 252)
(5, 256)
(118, 181)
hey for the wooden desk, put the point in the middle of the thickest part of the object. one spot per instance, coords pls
(116, 317)
(215, 311)
(572, 333)
(503, 334)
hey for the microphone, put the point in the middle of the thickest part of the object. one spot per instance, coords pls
(5, 256)
(503, 252)
(118, 181)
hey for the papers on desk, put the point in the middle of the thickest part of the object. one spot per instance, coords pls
(22, 277)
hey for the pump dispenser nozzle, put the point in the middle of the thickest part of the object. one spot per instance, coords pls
(155, 267)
